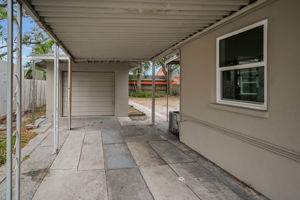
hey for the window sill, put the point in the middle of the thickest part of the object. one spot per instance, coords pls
(240, 110)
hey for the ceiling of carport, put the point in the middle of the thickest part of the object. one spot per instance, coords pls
(128, 30)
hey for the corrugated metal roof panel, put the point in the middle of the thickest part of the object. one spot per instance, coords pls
(128, 29)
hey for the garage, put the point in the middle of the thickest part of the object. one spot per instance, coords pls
(93, 93)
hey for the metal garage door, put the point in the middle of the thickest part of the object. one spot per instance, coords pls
(93, 93)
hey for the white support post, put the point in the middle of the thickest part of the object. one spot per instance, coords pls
(153, 92)
(33, 99)
(9, 106)
(168, 92)
(55, 100)
(19, 78)
(69, 93)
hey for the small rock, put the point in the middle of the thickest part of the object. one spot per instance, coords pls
(2, 127)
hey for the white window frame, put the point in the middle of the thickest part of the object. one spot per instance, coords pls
(252, 105)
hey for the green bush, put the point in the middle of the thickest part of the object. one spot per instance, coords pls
(3, 147)
(175, 92)
(145, 94)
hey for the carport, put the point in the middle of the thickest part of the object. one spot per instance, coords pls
(111, 31)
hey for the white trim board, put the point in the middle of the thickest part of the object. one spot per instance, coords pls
(252, 105)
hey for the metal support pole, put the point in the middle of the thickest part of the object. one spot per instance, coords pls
(9, 99)
(55, 100)
(153, 92)
(168, 92)
(69, 94)
(33, 103)
(18, 74)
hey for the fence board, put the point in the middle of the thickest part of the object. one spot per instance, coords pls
(26, 94)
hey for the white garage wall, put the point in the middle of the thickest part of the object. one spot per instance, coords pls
(121, 83)
(93, 93)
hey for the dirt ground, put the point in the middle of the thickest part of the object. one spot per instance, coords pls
(27, 133)
(160, 103)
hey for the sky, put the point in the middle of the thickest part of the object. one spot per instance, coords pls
(28, 24)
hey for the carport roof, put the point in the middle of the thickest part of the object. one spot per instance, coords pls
(126, 30)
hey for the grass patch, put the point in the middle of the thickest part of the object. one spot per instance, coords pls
(26, 157)
(145, 94)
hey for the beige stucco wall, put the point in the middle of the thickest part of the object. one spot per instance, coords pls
(121, 83)
(257, 147)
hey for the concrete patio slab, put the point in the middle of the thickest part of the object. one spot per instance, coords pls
(127, 184)
(68, 157)
(40, 159)
(111, 136)
(143, 138)
(91, 123)
(169, 152)
(34, 143)
(152, 164)
(77, 123)
(190, 170)
(203, 183)
(72, 184)
(30, 182)
(144, 155)
(49, 139)
(117, 156)
(126, 121)
(231, 182)
(128, 131)
(164, 184)
(92, 152)
(211, 188)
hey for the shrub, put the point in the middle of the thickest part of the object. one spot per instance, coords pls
(175, 92)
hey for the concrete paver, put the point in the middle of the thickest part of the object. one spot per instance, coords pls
(143, 138)
(136, 162)
(130, 131)
(40, 159)
(117, 156)
(35, 142)
(30, 182)
(164, 184)
(68, 157)
(144, 155)
(49, 139)
(127, 184)
(169, 152)
(203, 183)
(92, 152)
(72, 184)
(111, 136)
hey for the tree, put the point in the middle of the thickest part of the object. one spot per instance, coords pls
(139, 72)
(36, 38)
(168, 71)
(28, 71)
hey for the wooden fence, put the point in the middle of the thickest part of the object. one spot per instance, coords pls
(27, 94)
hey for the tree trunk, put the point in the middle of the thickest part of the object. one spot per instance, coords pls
(170, 73)
(139, 82)
(139, 79)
